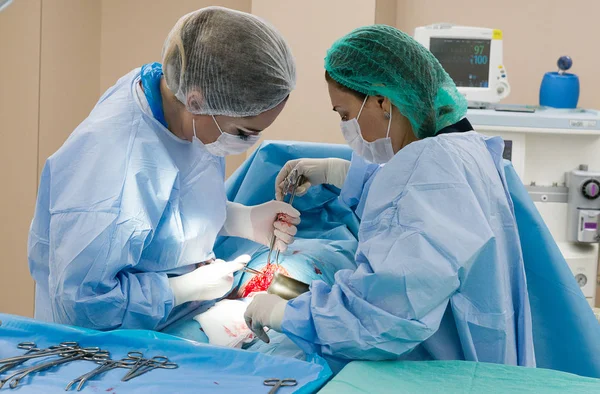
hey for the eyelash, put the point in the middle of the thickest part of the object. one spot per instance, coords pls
(243, 137)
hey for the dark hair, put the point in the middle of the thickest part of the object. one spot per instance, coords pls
(428, 123)
(343, 88)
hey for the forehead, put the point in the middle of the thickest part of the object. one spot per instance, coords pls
(261, 121)
(342, 97)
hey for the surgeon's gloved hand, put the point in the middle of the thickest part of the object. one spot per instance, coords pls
(208, 282)
(315, 171)
(260, 222)
(265, 310)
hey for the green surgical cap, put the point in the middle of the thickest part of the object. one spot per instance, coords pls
(380, 60)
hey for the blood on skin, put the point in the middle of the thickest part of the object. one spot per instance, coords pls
(262, 282)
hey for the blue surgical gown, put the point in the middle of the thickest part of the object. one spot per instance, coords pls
(121, 205)
(440, 269)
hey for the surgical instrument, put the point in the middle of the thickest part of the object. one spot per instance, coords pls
(63, 348)
(245, 269)
(29, 346)
(286, 287)
(102, 368)
(271, 247)
(17, 376)
(144, 365)
(138, 357)
(292, 182)
(67, 352)
(252, 271)
(277, 383)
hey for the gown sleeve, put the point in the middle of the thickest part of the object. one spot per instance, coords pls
(358, 180)
(409, 267)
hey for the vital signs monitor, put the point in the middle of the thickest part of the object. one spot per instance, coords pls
(472, 56)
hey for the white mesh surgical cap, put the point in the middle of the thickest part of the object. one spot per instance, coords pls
(219, 61)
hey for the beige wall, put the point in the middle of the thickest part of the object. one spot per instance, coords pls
(386, 11)
(133, 32)
(19, 101)
(70, 59)
(310, 27)
(536, 33)
(50, 83)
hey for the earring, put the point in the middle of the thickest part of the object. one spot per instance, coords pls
(386, 115)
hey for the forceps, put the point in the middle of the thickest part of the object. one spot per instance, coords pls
(292, 182)
(251, 271)
(103, 367)
(29, 346)
(245, 269)
(277, 383)
(19, 375)
(63, 348)
(143, 365)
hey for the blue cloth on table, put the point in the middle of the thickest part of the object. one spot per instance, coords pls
(202, 368)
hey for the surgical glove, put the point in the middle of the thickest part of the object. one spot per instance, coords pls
(208, 282)
(260, 222)
(266, 310)
(315, 171)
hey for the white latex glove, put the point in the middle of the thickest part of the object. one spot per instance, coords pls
(316, 172)
(258, 223)
(224, 323)
(208, 282)
(266, 310)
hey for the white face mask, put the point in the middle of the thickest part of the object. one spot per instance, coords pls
(228, 144)
(379, 151)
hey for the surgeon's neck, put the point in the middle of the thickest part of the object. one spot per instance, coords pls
(174, 112)
(405, 135)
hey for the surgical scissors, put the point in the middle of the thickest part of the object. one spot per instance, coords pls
(277, 383)
(291, 184)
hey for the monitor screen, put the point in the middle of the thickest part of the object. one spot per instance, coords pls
(466, 60)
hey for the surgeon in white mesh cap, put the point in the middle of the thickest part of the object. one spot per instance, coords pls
(135, 198)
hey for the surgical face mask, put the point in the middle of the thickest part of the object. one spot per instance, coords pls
(228, 144)
(379, 151)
